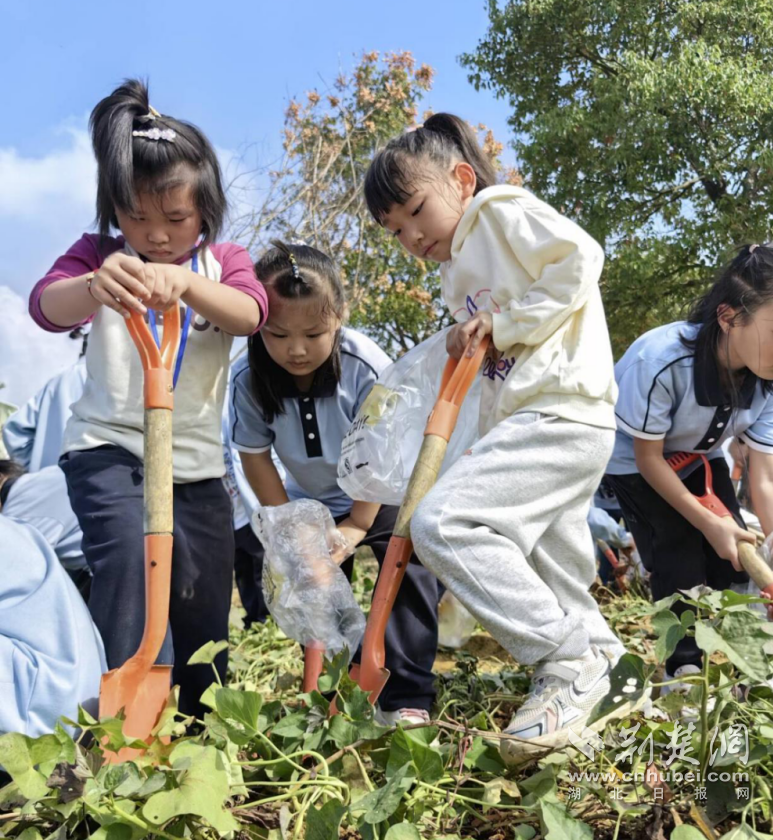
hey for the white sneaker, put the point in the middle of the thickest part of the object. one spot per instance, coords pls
(562, 696)
(406, 715)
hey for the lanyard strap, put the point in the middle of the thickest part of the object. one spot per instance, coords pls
(185, 327)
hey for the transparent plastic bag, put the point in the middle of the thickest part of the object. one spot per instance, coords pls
(305, 590)
(455, 622)
(381, 447)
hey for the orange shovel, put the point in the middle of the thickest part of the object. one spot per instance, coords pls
(458, 376)
(139, 686)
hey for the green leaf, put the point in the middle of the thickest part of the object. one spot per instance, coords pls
(29, 834)
(334, 671)
(382, 803)
(203, 789)
(560, 825)
(686, 832)
(415, 745)
(206, 654)
(155, 782)
(241, 709)
(293, 725)
(66, 743)
(628, 683)
(524, 832)
(670, 631)
(323, 823)
(122, 779)
(740, 638)
(403, 831)
(484, 757)
(16, 756)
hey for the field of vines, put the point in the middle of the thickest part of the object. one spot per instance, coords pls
(270, 762)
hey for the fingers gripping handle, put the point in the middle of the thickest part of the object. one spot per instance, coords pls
(757, 569)
(458, 376)
(156, 363)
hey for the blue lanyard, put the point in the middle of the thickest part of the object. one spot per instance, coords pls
(185, 327)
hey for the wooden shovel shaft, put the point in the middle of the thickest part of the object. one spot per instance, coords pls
(457, 379)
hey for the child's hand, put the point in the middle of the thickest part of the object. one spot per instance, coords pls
(724, 534)
(354, 536)
(480, 325)
(120, 284)
(166, 284)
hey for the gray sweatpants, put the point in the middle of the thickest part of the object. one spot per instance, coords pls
(505, 529)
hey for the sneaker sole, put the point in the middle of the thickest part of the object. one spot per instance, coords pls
(516, 752)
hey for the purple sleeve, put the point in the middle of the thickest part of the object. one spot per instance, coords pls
(84, 256)
(239, 273)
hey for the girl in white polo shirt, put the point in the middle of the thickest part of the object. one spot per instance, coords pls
(689, 387)
(298, 391)
(505, 528)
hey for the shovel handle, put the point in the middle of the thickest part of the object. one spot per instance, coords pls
(754, 566)
(458, 376)
(159, 477)
(157, 363)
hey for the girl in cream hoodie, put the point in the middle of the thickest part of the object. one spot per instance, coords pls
(505, 528)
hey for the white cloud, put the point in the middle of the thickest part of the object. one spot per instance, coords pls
(29, 356)
(62, 181)
(46, 204)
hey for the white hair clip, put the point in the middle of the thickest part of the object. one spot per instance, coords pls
(167, 134)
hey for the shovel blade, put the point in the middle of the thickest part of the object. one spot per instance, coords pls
(142, 696)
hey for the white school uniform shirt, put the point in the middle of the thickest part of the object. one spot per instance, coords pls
(33, 434)
(110, 411)
(307, 437)
(668, 393)
(40, 500)
(51, 653)
(538, 274)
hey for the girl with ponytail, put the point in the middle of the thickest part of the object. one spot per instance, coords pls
(160, 208)
(505, 527)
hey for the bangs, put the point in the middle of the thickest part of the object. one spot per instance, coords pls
(161, 182)
(387, 183)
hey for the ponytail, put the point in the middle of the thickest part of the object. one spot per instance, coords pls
(443, 140)
(139, 149)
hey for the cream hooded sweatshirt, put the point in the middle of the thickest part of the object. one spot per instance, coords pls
(538, 273)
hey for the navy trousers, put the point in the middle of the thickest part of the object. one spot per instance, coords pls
(411, 634)
(105, 486)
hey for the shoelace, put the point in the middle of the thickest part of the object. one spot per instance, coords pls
(422, 713)
(540, 687)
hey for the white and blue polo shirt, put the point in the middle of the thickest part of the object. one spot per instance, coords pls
(667, 392)
(307, 437)
(40, 500)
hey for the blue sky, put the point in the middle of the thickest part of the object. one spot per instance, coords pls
(230, 67)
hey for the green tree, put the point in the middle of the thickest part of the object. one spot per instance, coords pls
(650, 123)
(315, 194)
